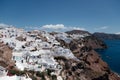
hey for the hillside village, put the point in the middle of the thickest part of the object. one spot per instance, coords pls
(35, 50)
(42, 55)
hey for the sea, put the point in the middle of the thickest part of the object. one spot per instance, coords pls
(111, 55)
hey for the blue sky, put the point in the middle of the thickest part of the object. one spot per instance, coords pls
(91, 15)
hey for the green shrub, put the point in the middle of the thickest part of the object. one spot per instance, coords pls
(33, 78)
(39, 74)
(18, 73)
(13, 72)
(54, 77)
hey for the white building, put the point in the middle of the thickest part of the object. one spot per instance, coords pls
(3, 71)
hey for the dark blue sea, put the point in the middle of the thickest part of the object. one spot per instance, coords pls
(112, 54)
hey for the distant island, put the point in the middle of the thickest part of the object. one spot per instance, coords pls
(107, 36)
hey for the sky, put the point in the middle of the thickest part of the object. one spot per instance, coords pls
(90, 15)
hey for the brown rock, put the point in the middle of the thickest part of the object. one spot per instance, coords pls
(5, 55)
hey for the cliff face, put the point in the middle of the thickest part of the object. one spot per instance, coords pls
(90, 40)
(105, 36)
(94, 42)
(78, 32)
(90, 65)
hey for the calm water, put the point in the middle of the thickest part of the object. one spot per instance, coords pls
(112, 54)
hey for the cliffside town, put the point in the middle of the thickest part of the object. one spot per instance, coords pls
(41, 55)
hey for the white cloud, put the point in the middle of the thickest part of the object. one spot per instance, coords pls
(77, 28)
(60, 27)
(117, 33)
(101, 28)
(31, 28)
(104, 27)
(4, 25)
(51, 26)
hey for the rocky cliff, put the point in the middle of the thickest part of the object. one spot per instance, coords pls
(5, 55)
(90, 65)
